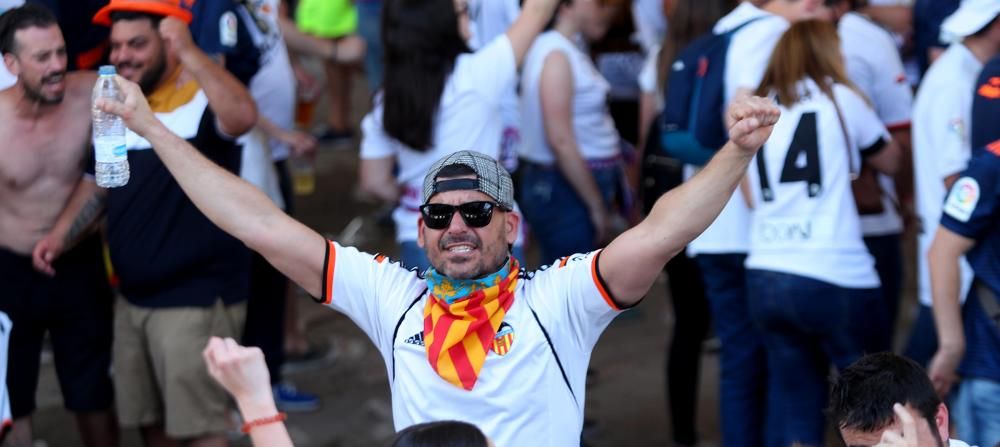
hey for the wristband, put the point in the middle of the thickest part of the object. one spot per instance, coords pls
(263, 421)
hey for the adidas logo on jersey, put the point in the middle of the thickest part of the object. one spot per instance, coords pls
(416, 339)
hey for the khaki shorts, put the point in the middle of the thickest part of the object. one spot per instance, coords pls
(159, 374)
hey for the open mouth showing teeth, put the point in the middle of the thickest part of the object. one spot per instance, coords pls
(461, 249)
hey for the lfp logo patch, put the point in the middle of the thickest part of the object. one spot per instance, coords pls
(963, 199)
(504, 339)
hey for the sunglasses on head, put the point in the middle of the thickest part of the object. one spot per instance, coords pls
(437, 216)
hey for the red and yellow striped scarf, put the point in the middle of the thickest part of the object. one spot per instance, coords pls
(459, 335)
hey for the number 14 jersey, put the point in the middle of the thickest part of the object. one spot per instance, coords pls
(804, 219)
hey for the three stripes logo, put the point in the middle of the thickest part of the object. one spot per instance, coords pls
(504, 339)
(416, 339)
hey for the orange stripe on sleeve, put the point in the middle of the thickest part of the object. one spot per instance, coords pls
(328, 268)
(600, 284)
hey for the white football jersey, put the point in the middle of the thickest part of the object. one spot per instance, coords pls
(530, 391)
(874, 65)
(942, 114)
(805, 221)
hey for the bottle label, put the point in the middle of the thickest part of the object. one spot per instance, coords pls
(109, 149)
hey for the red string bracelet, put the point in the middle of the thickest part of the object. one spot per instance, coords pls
(263, 421)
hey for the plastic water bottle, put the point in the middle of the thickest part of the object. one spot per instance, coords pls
(109, 134)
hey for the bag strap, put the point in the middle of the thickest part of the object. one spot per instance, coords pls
(850, 156)
(847, 138)
(399, 323)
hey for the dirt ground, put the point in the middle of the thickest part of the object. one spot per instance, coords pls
(626, 396)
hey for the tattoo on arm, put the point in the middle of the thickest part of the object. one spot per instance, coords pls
(91, 210)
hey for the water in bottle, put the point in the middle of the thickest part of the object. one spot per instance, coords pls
(109, 134)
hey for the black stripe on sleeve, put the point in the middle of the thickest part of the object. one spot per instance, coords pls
(875, 148)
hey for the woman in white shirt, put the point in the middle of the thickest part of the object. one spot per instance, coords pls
(570, 157)
(813, 290)
(437, 98)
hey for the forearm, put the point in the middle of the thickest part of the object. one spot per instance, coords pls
(230, 203)
(300, 42)
(685, 212)
(574, 168)
(272, 434)
(946, 291)
(84, 208)
(242, 210)
(632, 261)
(377, 178)
(904, 176)
(534, 15)
(269, 128)
(229, 99)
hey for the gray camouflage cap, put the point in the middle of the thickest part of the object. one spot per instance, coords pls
(492, 179)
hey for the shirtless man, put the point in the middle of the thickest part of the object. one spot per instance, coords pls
(45, 135)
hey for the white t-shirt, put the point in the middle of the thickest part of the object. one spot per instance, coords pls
(593, 127)
(520, 398)
(806, 222)
(5, 414)
(874, 65)
(466, 120)
(273, 86)
(941, 147)
(746, 60)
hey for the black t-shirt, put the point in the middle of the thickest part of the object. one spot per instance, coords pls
(166, 252)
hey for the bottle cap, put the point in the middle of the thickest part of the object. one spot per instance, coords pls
(106, 70)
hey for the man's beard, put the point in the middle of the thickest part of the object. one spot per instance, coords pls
(149, 79)
(486, 267)
(34, 92)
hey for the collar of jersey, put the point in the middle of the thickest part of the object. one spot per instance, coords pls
(452, 290)
(172, 93)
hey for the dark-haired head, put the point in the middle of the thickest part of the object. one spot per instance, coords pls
(421, 40)
(16, 19)
(441, 434)
(863, 395)
(34, 51)
(137, 51)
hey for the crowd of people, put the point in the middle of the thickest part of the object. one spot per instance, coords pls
(771, 156)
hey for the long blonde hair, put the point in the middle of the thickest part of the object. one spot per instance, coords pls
(808, 49)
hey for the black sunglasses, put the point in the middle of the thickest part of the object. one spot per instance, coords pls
(437, 216)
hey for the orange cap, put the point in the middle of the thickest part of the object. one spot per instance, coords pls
(164, 8)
